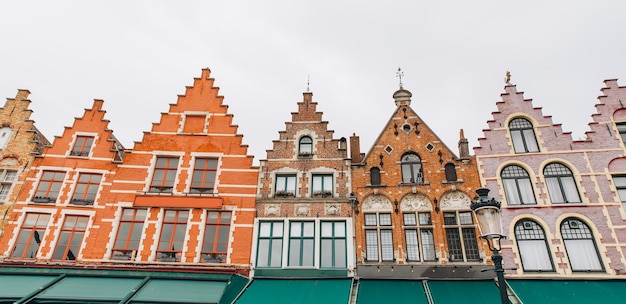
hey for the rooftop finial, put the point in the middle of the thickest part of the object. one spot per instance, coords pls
(399, 74)
(507, 78)
(308, 78)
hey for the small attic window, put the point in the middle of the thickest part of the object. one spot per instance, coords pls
(430, 147)
(5, 134)
(406, 128)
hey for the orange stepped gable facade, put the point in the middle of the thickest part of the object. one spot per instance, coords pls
(63, 197)
(184, 196)
(415, 193)
(20, 143)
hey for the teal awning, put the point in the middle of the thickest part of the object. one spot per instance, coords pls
(14, 287)
(89, 289)
(294, 291)
(569, 291)
(56, 285)
(180, 291)
(391, 291)
(445, 292)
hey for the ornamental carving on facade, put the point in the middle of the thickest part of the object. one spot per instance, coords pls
(376, 202)
(331, 209)
(415, 202)
(272, 209)
(455, 200)
(302, 209)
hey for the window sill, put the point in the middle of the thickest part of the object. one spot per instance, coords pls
(424, 183)
(376, 186)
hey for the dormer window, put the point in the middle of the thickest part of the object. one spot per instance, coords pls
(305, 146)
(82, 146)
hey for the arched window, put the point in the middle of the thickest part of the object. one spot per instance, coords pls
(561, 184)
(5, 135)
(450, 169)
(305, 146)
(412, 169)
(523, 136)
(580, 246)
(533, 248)
(517, 186)
(375, 176)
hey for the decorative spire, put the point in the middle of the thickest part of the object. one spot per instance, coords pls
(507, 78)
(399, 74)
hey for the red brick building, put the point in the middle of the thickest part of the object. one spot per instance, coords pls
(414, 195)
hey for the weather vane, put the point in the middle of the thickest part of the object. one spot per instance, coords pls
(308, 78)
(507, 78)
(399, 74)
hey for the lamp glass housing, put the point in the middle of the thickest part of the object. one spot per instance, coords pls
(489, 221)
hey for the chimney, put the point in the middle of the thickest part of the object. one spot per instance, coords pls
(355, 149)
(463, 146)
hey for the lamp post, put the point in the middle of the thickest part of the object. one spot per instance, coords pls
(487, 211)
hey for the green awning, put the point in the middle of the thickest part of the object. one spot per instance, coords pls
(99, 289)
(391, 291)
(570, 291)
(293, 291)
(17, 286)
(484, 292)
(180, 291)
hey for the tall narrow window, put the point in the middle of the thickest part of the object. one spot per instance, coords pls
(620, 186)
(5, 136)
(7, 179)
(172, 236)
(204, 172)
(517, 186)
(305, 146)
(333, 245)
(450, 169)
(561, 184)
(49, 187)
(216, 232)
(375, 176)
(533, 247)
(30, 236)
(129, 234)
(270, 247)
(580, 246)
(71, 238)
(378, 237)
(418, 231)
(461, 236)
(164, 174)
(323, 185)
(412, 169)
(301, 243)
(82, 146)
(86, 189)
(285, 185)
(621, 127)
(523, 136)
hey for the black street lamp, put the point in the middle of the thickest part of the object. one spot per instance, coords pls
(487, 211)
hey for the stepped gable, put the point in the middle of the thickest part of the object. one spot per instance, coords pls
(92, 123)
(611, 109)
(20, 143)
(306, 118)
(197, 127)
(514, 105)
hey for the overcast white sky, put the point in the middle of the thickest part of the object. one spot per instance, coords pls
(139, 55)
